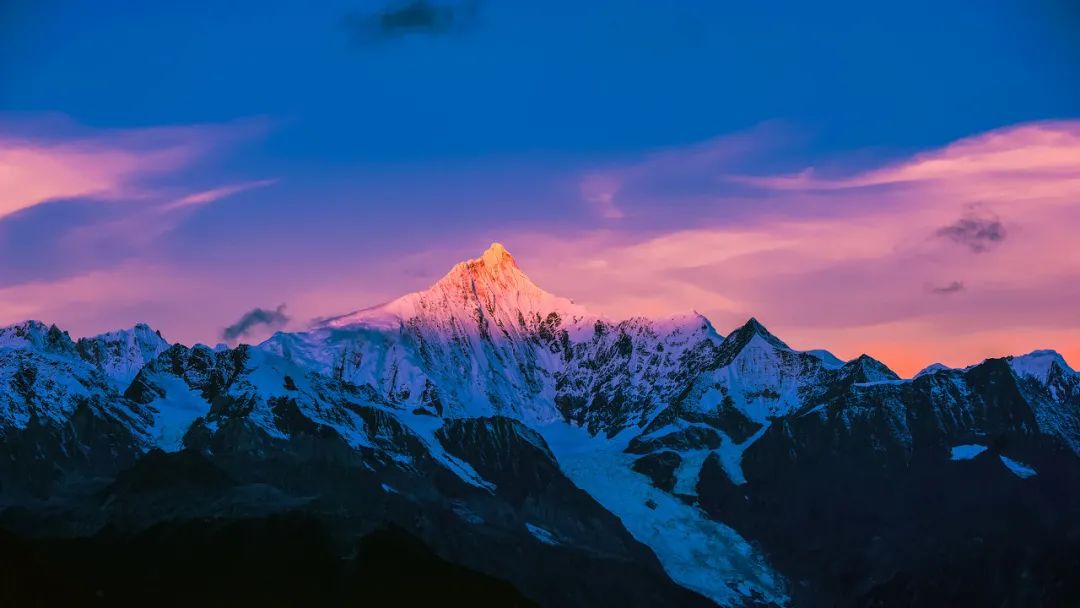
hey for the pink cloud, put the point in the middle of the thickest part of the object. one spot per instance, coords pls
(1025, 153)
(128, 176)
(215, 194)
(609, 190)
(109, 164)
(600, 190)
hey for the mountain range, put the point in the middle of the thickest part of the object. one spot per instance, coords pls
(508, 445)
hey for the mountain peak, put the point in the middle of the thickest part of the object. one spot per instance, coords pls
(754, 325)
(1039, 364)
(490, 288)
(933, 368)
(122, 353)
(750, 332)
(495, 272)
(138, 332)
(35, 334)
(868, 369)
(752, 328)
(496, 261)
(495, 256)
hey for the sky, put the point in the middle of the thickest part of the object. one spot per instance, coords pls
(901, 180)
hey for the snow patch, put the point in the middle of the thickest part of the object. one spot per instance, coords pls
(175, 412)
(689, 471)
(730, 454)
(1018, 468)
(881, 382)
(541, 534)
(967, 451)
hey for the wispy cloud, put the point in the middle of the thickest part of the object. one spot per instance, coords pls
(72, 162)
(599, 191)
(695, 172)
(978, 230)
(949, 288)
(256, 318)
(413, 17)
(36, 172)
(1024, 153)
(215, 194)
(95, 198)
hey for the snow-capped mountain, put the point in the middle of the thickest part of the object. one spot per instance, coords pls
(60, 413)
(485, 340)
(484, 411)
(464, 347)
(121, 354)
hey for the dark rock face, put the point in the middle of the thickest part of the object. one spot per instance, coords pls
(38, 459)
(740, 338)
(201, 368)
(392, 566)
(859, 503)
(89, 444)
(931, 533)
(660, 468)
(689, 438)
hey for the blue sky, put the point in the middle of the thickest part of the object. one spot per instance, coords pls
(359, 141)
(529, 78)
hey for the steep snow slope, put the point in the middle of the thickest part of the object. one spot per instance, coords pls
(697, 552)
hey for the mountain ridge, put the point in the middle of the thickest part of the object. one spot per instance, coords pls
(481, 401)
